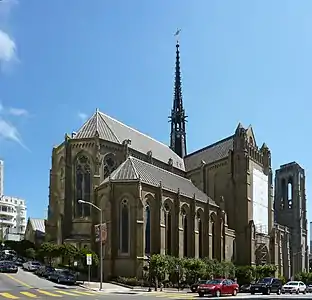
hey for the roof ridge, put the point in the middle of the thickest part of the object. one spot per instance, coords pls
(210, 146)
(112, 132)
(133, 166)
(118, 169)
(137, 131)
(86, 122)
(171, 173)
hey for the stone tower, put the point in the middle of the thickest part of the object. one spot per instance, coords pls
(290, 206)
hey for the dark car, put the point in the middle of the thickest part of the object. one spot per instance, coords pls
(218, 287)
(245, 288)
(8, 267)
(266, 286)
(63, 276)
(44, 271)
(194, 286)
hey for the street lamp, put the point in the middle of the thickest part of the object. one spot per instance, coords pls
(101, 243)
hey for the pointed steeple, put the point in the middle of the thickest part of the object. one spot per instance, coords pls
(178, 117)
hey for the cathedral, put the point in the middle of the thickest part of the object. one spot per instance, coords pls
(217, 202)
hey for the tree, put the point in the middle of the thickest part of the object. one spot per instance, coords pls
(49, 251)
(30, 253)
(69, 253)
(82, 256)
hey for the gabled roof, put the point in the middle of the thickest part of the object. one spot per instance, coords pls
(37, 224)
(133, 169)
(114, 131)
(209, 154)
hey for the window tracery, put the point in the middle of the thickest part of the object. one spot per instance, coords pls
(109, 164)
(147, 229)
(83, 186)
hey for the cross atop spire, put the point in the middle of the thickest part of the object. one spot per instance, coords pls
(178, 117)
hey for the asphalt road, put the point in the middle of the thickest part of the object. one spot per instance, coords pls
(27, 285)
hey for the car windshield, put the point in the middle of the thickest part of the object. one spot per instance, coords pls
(66, 273)
(34, 263)
(292, 283)
(49, 268)
(214, 281)
(265, 280)
(202, 281)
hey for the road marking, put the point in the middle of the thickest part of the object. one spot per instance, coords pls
(48, 293)
(31, 295)
(83, 293)
(8, 295)
(67, 293)
(19, 281)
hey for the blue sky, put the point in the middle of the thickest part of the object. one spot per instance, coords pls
(247, 61)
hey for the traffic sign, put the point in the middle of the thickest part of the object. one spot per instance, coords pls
(89, 259)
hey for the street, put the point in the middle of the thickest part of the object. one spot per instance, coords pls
(27, 285)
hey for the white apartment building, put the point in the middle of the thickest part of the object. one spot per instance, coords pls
(13, 217)
(1, 177)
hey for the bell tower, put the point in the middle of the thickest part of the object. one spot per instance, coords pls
(290, 207)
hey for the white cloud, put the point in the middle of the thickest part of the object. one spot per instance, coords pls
(18, 112)
(7, 48)
(82, 116)
(9, 132)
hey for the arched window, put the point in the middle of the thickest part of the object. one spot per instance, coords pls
(290, 193)
(109, 164)
(200, 236)
(168, 225)
(124, 227)
(185, 232)
(147, 229)
(83, 186)
(214, 238)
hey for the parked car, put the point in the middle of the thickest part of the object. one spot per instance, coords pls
(63, 276)
(309, 288)
(31, 266)
(44, 271)
(194, 286)
(266, 286)
(294, 287)
(19, 261)
(8, 267)
(245, 288)
(218, 287)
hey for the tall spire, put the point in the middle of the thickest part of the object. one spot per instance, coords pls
(178, 117)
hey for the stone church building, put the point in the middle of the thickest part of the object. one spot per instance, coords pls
(216, 202)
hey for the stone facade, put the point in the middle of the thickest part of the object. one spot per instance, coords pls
(291, 211)
(182, 220)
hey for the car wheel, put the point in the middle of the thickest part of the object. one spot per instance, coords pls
(201, 294)
(252, 293)
(278, 292)
(58, 280)
(298, 291)
(234, 292)
(218, 293)
(305, 291)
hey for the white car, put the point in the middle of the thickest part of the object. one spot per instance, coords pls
(294, 287)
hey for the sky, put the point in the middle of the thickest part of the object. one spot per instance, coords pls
(242, 61)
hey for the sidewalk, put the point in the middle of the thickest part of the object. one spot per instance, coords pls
(122, 289)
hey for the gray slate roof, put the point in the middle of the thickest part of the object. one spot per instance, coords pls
(114, 131)
(209, 154)
(37, 224)
(136, 169)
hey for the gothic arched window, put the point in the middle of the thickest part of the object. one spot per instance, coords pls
(124, 226)
(185, 232)
(83, 186)
(168, 225)
(147, 229)
(200, 236)
(109, 162)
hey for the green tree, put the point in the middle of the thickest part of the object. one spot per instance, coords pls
(30, 253)
(49, 251)
(158, 268)
(194, 269)
(69, 253)
(82, 257)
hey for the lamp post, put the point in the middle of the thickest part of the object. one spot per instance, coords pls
(101, 242)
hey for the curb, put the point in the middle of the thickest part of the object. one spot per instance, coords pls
(122, 284)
